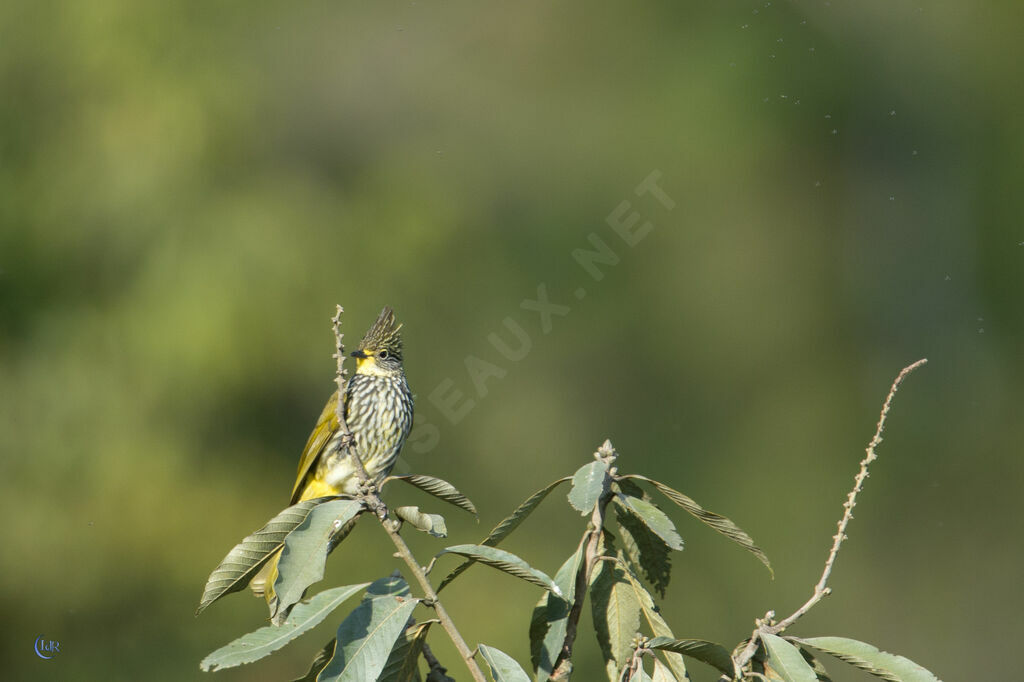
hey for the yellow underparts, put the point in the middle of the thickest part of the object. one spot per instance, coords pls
(317, 488)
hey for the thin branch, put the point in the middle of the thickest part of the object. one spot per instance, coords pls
(373, 500)
(822, 590)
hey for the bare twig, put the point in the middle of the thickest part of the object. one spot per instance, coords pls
(373, 500)
(822, 590)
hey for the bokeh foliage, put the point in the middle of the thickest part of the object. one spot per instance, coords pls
(186, 189)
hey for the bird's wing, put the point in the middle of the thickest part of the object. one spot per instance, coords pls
(326, 427)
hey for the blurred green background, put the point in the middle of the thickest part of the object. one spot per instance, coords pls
(187, 189)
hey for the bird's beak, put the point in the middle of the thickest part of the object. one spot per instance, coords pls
(359, 354)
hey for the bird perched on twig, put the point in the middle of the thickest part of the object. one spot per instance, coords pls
(378, 411)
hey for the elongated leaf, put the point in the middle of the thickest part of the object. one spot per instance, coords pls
(646, 553)
(440, 489)
(704, 651)
(716, 522)
(870, 659)
(786, 661)
(615, 608)
(656, 623)
(588, 484)
(550, 618)
(403, 663)
(259, 643)
(507, 525)
(319, 663)
(246, 558)
(653, 518)
(305, 552)
(503, 667)
(506, 562)
(428, 523)
(366, 638)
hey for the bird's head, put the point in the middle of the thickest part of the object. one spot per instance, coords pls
(380, 351)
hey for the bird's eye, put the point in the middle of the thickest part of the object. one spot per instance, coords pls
(383, 355)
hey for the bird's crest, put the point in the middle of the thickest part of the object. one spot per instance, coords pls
(384, 334)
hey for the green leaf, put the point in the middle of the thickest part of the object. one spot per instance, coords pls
(550, 618)
(403, 663)
(870, 659)
(507, 525)
(366, 638)
(506, 562)
(440, 489)
(428, 523)
(646, 553)
(305, 552)
(319, 663)
(246, 558)
(588, 484)
(653, 518)
(702, 650)
(503, 667)
(259, 643)
(715, 521)
(615, 609)
(786, 661)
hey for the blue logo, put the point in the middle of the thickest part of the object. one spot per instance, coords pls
(46, 648)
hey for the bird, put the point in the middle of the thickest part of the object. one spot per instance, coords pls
(378, 408)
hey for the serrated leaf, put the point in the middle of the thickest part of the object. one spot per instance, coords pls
(615, 610)
(440, 489)
(428, 523)
(507, 525)
(786, 661)
(403, 663)
(503, 667)
(305, 552)
(246, 558)
(259, 643)
(319, 663)
(702, 650)
(366, 638)
(655, 519)
(550, 618)
(646, 553)
(716, 522)
(870, 659)
(506, 562)
(588, 484)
